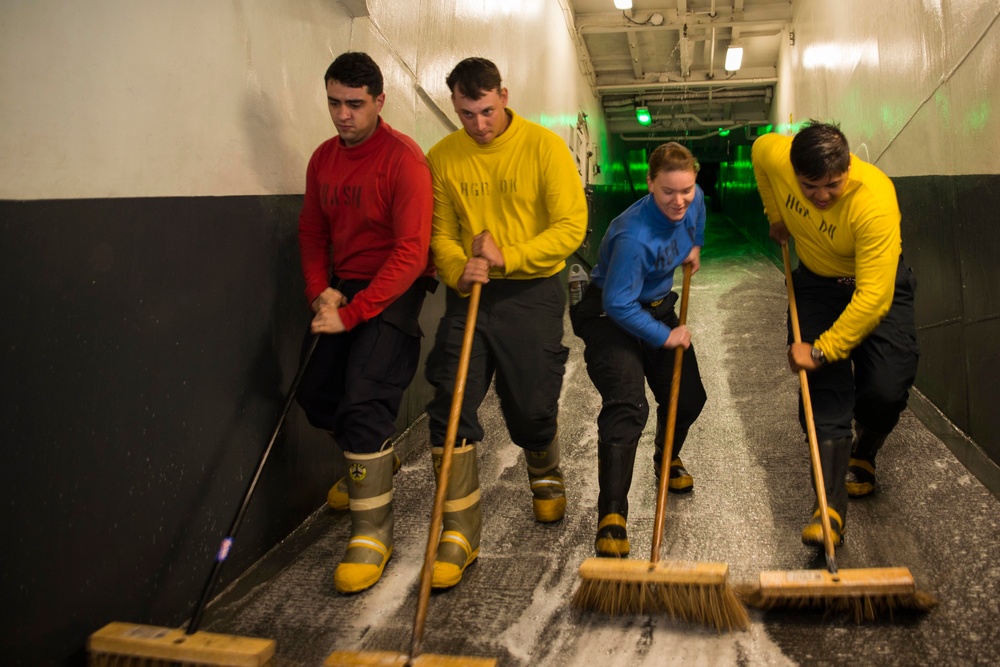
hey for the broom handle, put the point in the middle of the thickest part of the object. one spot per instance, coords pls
(824, 512)
(668, 442)
(227, 543)
(442, 487)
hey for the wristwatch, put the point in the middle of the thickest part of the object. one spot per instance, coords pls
(818, 356)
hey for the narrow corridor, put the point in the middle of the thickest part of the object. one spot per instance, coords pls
(751, 497)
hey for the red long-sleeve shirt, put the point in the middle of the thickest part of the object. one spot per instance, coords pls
(367, 216)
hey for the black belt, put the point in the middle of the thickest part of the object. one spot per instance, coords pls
(844, 282)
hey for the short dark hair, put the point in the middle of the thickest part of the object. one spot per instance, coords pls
(671, 156)
(355, 69)
(820, 150)
(474, 77)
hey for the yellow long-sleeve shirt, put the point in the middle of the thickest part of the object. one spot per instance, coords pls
(857, 237)
(523, 187)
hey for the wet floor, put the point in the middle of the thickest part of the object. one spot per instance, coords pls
(752, 496)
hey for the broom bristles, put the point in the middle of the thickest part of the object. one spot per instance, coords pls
(873, 603)
(623, 590)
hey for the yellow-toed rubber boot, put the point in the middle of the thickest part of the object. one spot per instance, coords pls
(612, 537)
(861, 480)
(548, 489)
(369, 487)
(462, 520)
(833, 455)
(615, 462)
(812, 534)
(337, 498)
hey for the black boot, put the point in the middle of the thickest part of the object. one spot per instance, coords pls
(614, 474)
(548, 488)
(861, 468)
(833, 455)
(680, 480)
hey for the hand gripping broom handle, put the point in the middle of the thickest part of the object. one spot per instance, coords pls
(442, 486)
(668, 442)
(824, 512)
(227, 543)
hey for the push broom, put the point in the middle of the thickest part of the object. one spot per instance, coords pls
(866, 593)
(692, 591)
(416, 658)
(124, 644)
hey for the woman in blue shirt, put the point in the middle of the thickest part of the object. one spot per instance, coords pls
(630, 328)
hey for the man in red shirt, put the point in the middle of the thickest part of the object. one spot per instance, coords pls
(364, 237)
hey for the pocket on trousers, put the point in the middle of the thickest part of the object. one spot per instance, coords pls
(392, 357)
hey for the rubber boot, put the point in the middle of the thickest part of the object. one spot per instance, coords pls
(369, 486)
(337, 497)
(861, 479)
(834, 455)
(462, 520)
(614, 475)
(680, 480)
(548, 490)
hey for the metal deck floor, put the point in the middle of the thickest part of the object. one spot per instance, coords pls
(752, 495)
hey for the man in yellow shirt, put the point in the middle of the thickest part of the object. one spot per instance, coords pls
(854, 297)
(509, 207)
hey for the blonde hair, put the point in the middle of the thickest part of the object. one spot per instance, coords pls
(671, 156)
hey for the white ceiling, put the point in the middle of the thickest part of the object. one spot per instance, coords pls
(669, 55)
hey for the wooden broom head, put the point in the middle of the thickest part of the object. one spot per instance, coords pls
(866, 594)
(846, 583)
(392, 659)
(665, 572)
(121, 643)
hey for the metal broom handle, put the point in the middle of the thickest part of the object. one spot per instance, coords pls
(824, 513)
(226, 546)
(668, 441)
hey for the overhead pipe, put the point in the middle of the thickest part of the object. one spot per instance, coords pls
(730, 83)
(771, 25)
(652, 98)
(705, 123)
(688, 137)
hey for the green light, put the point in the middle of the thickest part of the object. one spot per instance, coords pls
(642, 115)
(764, 129)
(723, 133)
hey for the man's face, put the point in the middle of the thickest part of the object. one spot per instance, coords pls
(354, 111)
(484, 119)
(823, 193)
(673, 192)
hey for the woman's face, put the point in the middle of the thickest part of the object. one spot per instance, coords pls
(673, 192)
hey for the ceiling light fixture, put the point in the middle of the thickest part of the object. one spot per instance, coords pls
(642, 115)
(734, 56)
(623, 4)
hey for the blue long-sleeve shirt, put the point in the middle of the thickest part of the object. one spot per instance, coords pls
(637, 260)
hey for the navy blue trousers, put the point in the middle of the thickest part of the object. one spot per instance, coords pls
(619, 366)
(354, 385)
(872, 386)
(518, 341)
